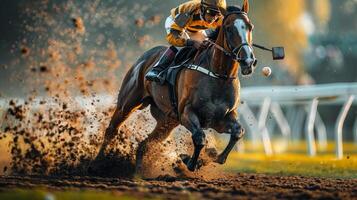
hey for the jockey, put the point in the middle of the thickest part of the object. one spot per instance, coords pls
(186, 26)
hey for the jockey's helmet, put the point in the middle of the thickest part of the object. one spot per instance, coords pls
(213, 7)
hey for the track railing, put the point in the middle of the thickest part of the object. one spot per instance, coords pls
(304, 101)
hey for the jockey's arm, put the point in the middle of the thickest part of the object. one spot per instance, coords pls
(182, 16)
(175, 38)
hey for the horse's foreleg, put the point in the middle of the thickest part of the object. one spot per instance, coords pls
(190, 120)
(236, 131)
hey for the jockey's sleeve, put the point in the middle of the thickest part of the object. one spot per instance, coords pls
(175, 36)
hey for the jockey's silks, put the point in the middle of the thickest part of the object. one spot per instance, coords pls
(195, 22)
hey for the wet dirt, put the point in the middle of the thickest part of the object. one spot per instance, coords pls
(237, 186)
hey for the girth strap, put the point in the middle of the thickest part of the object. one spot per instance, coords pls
(202, 70)
(208, 72)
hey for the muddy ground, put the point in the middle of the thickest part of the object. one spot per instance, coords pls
(235, 186)
(54, 149)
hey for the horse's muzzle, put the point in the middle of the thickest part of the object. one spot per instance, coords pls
(247, 66)
(247, 71)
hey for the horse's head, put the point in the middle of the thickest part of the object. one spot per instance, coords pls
(238, 36)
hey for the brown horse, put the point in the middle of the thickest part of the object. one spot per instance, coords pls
(204, 100)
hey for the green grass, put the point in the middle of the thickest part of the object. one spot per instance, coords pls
(296, 162)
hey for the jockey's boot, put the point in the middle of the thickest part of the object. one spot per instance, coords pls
(156, 74)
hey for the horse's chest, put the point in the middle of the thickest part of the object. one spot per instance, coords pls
(215, 106)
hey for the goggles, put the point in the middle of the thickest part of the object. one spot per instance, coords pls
(214, 12)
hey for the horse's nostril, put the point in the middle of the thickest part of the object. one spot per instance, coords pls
(255, 63)
(247, 71)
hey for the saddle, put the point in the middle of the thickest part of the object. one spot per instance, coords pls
(179, 63)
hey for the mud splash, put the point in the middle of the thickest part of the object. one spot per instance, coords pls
(51, 137)
(72, 71)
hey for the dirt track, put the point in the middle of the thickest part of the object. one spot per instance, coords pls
(239, 186)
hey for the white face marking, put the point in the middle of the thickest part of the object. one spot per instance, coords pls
(243, 33)
(242, 30)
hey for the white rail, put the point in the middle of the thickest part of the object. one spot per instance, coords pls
(310, 97)
(339, 125)
(327, 93)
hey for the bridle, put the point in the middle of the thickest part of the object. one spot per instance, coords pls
(233, 52)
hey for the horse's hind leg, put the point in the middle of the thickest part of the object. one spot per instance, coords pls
(127, 103)
(161, 132)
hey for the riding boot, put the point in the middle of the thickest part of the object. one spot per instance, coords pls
(156, 73)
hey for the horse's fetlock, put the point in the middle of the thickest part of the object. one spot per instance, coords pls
(238, 134)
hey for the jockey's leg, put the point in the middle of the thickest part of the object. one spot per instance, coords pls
(155, 73)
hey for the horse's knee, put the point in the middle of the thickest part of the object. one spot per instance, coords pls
(237, 132)
(199, 138)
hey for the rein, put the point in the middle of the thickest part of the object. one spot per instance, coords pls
(233, 54)
(209, 72)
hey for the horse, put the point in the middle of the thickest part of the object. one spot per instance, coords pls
(204, 100)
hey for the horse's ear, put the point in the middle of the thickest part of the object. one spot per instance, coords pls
(245, 7)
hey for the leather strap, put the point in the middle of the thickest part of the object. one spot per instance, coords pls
(207, 72)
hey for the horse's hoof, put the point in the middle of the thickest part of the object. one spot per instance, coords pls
(196, 167)
(199, 164)
(191, 167)
(188, 162)
(185, 158)
(212, 153)
(220, 160)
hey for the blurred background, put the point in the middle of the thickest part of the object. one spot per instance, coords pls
(74, 48)
(319, 36)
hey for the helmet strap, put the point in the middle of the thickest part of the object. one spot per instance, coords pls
(203, 12)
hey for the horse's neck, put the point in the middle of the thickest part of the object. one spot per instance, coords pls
(222, 63)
